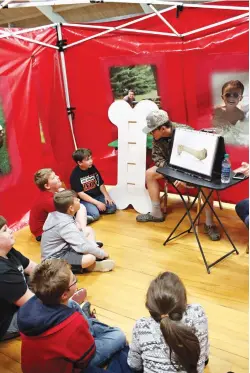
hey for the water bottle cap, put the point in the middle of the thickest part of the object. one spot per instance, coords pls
(226, 155)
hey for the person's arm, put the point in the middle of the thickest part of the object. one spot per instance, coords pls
(78, 242)
(21, 301)
(28, 270)
(134, 355)
(157, 155)
(85, 197)
(107, 197)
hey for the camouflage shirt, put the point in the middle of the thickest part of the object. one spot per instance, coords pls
(161, 149)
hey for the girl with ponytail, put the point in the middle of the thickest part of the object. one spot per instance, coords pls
(175, 337)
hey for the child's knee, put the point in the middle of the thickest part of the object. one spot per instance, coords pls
(151, 173)
(88, 260)
(119, 337)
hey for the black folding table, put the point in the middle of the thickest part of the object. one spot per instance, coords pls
(172, 175)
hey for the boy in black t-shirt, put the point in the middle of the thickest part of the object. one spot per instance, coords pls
(14, 291)
(86, 180)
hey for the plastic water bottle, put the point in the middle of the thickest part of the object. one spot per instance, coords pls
(226, 170)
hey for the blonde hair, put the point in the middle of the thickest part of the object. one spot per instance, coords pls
(63, 200)
(41, 177)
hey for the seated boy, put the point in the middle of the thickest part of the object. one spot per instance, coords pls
(62, 238)
(61, 337)
(86, 180)
(159, 125)
(14, 291)
(49, 183)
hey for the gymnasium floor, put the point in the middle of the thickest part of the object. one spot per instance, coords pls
(119, 296)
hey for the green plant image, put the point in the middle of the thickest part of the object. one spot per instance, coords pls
(4, 155)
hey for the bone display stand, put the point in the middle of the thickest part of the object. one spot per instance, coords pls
(199, 154)
(130, 188)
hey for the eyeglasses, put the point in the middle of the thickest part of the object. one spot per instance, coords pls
(232, 94)
(74, 282)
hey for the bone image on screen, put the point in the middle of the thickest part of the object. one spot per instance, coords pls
(194, 151)
(199, 154)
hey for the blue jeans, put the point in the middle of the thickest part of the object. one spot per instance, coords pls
(93, 211)
(242, 209)
(118, 364)
(108, 340)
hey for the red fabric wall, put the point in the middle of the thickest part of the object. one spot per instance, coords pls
(31, 88)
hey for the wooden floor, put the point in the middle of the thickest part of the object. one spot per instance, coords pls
(137, 248)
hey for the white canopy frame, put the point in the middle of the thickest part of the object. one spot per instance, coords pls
(61, 47)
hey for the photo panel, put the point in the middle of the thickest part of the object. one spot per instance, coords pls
(134, 83)
(230, 98)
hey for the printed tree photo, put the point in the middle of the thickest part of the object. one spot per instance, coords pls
(139, 78)
(4, 156)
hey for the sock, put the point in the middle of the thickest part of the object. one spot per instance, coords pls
(156, 210)
(209, 218)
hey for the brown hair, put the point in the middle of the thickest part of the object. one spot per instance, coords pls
(3, 221)
(234, 84)
(63, 200)
(166, 301)
(80, 154)
(41, 177)
(50, 280)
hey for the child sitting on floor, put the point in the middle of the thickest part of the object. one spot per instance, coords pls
(57, 335)
(63, 239)
(175, 337)
(87, 182)
(49, 183)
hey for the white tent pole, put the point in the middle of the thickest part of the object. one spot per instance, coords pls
(88, 38)
(164, 20)
(149, 32)
(87, 26)
(65, 85)
(153, 2)
(30, 40)
(4, 3)
(123, 28)
(215, 24)
(6, 33)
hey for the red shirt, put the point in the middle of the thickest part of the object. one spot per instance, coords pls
(39, 212)
(59, 348)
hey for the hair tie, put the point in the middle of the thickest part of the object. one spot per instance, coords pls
(165, 315)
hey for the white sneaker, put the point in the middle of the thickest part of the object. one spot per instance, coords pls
(105, 265)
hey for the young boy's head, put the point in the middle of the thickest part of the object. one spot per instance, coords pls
(83, 157)
(131, 94)
(232, 93)
(67, 202)
(6, 236)
(158, 124)
(53, 281)
(46, 179)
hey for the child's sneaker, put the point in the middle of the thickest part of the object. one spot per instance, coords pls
(79, 296)
(105, 265)
(86, 310)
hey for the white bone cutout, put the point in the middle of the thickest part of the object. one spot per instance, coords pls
(130, 188)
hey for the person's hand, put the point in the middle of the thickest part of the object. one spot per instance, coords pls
(245, 168)
(109, 200)
(179, 183)
(101, 206)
